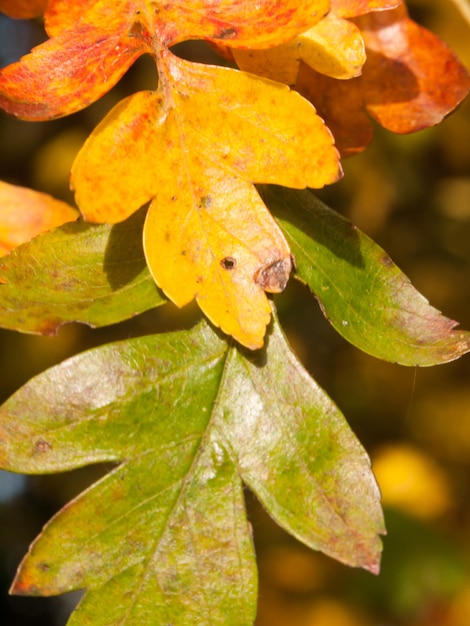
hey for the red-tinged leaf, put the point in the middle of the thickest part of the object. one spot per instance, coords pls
(411, 80)
(66, 73)
(340, 104)
(235, 22)
(94, 43)
(363, 294)
(354, 8)
(208, 235)
(25, 213)
(23, 9)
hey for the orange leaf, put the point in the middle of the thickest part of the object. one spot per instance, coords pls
(94, 42)
(25, 213)
(65, 74)
(23, 9)
(235, 22)
(411, 80)
(195, 147)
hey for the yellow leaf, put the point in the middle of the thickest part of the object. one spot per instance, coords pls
(224, 249)
(194, 148)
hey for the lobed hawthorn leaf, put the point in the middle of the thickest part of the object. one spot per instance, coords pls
(94, 42)
(410, 81)
(25, 213)
(363, 294)
(78, 272)
(207, 234)
(163, 538)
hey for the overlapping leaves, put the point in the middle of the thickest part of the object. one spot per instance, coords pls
(208, 235)
(25, 213)
(189, 416)
(368, 300)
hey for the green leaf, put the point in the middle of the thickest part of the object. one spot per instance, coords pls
(78, 272)
(363, 294)
(164, 538)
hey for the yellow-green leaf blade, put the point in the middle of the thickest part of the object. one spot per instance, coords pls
(79, 272)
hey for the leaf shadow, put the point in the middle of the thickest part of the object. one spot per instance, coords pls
(124, 257)
(386, 80)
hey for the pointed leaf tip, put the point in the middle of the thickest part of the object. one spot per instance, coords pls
(363, 294)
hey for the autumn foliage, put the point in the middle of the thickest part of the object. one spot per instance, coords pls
(208, 235)
(298, 84)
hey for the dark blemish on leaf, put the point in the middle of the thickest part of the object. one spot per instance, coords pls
(41, 447)
(199, 279)
(44, 567)
(386, 260)
(136, 30)
(174, 198)
(227, 33)
(183, 253)
(206, 202)
(167, 236)
(229, 263)
(273, 278)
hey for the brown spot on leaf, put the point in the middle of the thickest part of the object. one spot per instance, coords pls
(206, 202)
(229, 263)
(41, 446)
(273, 277)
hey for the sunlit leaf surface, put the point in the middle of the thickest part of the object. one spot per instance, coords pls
(164, 535)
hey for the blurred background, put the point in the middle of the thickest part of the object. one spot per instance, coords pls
(412, 196)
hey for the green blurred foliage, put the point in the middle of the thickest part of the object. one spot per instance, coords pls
(412, 196)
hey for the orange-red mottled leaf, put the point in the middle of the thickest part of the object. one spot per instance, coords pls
(354, 8)
(411, 79)
(23, 9)
(93, 43)
(25, 213)
(235, 22)
(208, 235)
(333, 47)
(66, 73)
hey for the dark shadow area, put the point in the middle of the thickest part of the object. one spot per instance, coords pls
(124, 256)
